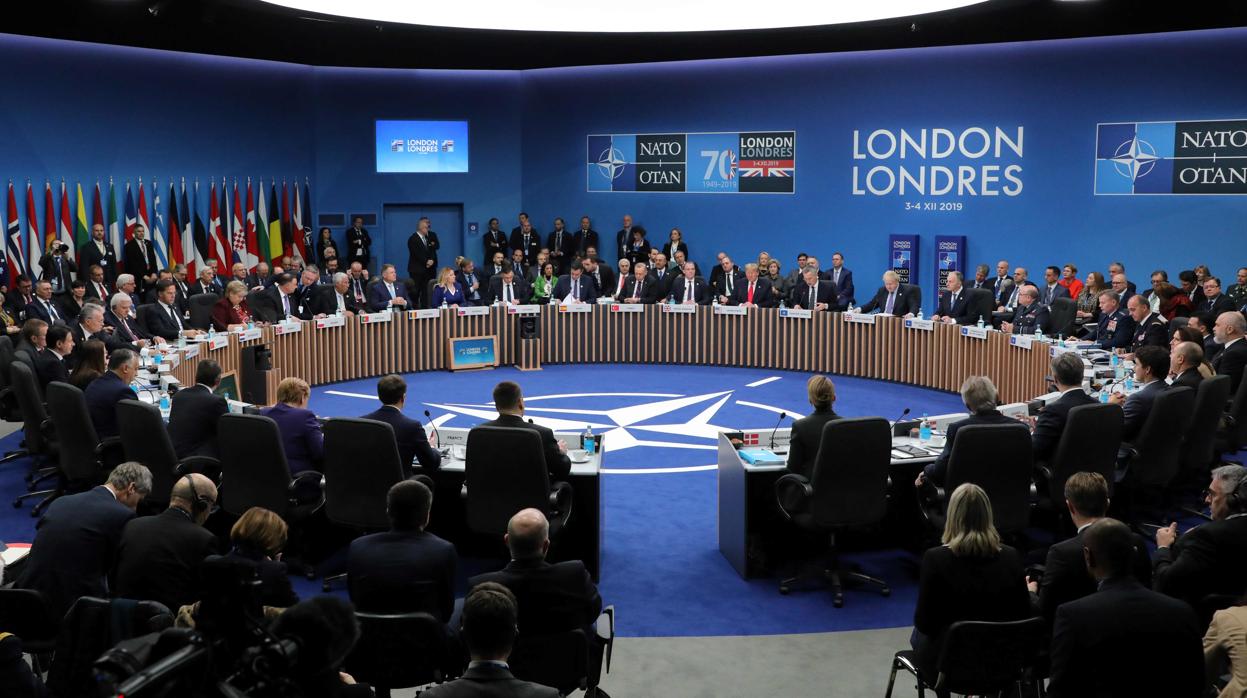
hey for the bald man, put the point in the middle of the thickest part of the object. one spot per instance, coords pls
(159, 556)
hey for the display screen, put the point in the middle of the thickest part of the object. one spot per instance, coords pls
(422, 146)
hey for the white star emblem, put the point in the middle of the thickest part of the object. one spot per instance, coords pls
(611, 162)
(1134, 158)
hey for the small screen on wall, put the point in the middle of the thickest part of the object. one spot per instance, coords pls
(422, 146)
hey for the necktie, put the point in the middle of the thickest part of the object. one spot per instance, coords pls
(835, 276)
(51, 311)
(176, 320)
(729, 283)
(506, 293)
(285, 304)
(688, 290)
(812, 303)
(1013, 297)
(750, 298)
(341, 302)
(952, 303)
(359, 290)
(891, 303)
(576, 290)
(390, 287)
(640, 287)
(125, 325)
(558, 241)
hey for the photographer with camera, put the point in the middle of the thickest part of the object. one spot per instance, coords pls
(57, 268)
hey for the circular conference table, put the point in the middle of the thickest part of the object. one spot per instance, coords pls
(916, 352)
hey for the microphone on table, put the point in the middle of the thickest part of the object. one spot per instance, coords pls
(432, 424)
(782, 417)
(902, 416)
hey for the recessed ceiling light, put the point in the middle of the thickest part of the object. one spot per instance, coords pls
(621, 17)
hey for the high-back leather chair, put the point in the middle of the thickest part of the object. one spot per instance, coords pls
(505, 471)
(998, 458)
(1088, 444)
(145, 439)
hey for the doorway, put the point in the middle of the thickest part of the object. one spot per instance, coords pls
(400, 223)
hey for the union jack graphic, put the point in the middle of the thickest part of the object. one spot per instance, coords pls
(767, 168)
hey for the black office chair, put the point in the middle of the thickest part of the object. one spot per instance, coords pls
(980, 658)
(259, 307)
(1177, 322)
(10, 411)
(998, 458)
(27, 614)
(1199, 448)
(558, 660)
(38, 431)
(90, 628)
(1061, 314)
(146, 440)
(83, 460)
(982, 302)
(1232, 434)
(1150, 463)
(428, 293)
(143, 315)
(848, 488)
(1088, 443)
(504, 472)
(201, 309)
(254, 471)
(401, 650)
(361, 465)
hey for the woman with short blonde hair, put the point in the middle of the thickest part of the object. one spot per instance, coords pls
(301, 436)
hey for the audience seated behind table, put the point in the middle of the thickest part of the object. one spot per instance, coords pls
(508, 288)
(1088, 298)
(543, 283)
(1115, 328)
(575, 286)
(1029, 315)
(301, 435)
(257, 538)
(388, 292)
(413, 443)
(51, 364)
(1172, 302)
(1069, 279)
(807, 432)
(231, 312)
(1228, 333)
(1187, 367)
(1067, 374)
(894, 298)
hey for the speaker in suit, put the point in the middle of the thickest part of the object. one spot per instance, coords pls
(413, 443)
(487, 680)
(1066, 578)
(762, 295)
(1050, 422)
(701, 294)
(1138, 406)
(557, 462)
(662, 279)
(906, 300)
(301, 436)
(75, 547)
(1230, 361)
(807, 434)
(1114, 330)
(1208, 559)
(99, 252)
(380, 294)
(956, 305)
(165, 321)
(102, 397)
(380, 563)
(724, 282)
(842, 286)
(193, 419)
(581, 288)
(1098, 640)
(643, 290)
(808, 297)
(520, 291)
(937, 471)
(159, 558)
(45, 310)
(326, 300)
(141, 261)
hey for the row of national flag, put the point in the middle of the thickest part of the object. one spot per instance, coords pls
(244, 224)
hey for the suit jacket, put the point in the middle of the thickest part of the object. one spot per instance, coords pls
(937, 471)
(381, 567)
(531, 249)
(586, 239)
(1153, 331)
(1208, 559)
(489, 681)
(358, 246)
(807, 434)
(1138, 406)
(409, 434)
(301, 436)
(1097, 642)
(1028, 319)
(566, 243)
(1047, 296)
(701, 290)
(556, 462)
(1114, 331)
(551, 597)
(139, 264)
(198, 286)
(49, 271)
(800, 295)
(1012, 295)
(587, 289)
(379, 297)
(1190, 378)
(1050, 422)
(325, 301)
(75, 547)
(605, 279)
(192, 421)
(50, 367)
(663, 281)
(275, 587)
(843, 289)
(519, 287)
(1221, 304)
(1066, 578)
(471, 297)
(720, 285)
(162, 324)
(111, 343)
(38, 311)
(908, 300)
(159, 558)
(645, 291)
(93, 290)
(102, 397)
(69, 307)
(494, 241)
(960, 310)
(90, 254)
(419, 253)
(762, 295)
(1230, 361)
(128, 331)
(1002, 288)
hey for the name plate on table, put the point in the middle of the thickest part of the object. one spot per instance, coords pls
(1021, 341)
(1055, 350)
(627, 308)
(913, 323)
(975, 332)
(470, 310)
(523, 310)
(330, 321)
(218, 341)
(799, 313)
(287, 327)
(576, 308)
(859, 318)
(249, 335)
(191, 351)
(374, 318)
(730, 310)
(680, 309)
(425, 313)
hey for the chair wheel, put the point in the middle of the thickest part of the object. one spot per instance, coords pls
(782, 590)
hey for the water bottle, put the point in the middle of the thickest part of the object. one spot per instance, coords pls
(164, 403)
(1104, 396)
(979, 324)
(181, 340)
(444, 306)
(782, 304)
(715, 301)
(251, 324)
(338, 312)
(1039, 333)
(1129, 383)
(211, 333)
(919, 314)
(924, 429)
(586, 440)
(1119, 370)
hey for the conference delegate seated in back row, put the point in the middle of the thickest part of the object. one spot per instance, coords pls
(690, 289)
(1151, 367)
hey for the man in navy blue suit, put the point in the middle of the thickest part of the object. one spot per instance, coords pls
(1052, 289)
(384, 568)
(106, 391)
(388, 292)
(954, 305)
(980, 397)
(1067, 373)
(413, 443)
(841, 282)
(574, 284)
(1151, 366)
(42, 307)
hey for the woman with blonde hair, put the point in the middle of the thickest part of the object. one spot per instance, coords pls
(448, 291)
(259, 536)
(972, 576)
(807, 432)
(300, 431)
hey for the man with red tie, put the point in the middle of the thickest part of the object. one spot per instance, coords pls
(754, 291)
(95, 283)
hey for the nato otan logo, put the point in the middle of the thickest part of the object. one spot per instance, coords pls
(448, 146)
(396, 145)
(1171, 157)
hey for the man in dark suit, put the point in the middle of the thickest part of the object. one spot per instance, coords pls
(17, 299)
(753, 291)
(140, 258)
(662, 275)
(526, 240)
(50, 364)
(1067, 373)
(724, 280)
(388, 292)
(163, 318)
(575, 284)
(205, 283)
(475, 284)
(413, 443)
(489, 627)
(841, 282)
(509, 401)
(57, 268)
(1215, 302)
(562, 246)
(195, 411)
(1001, 284)
(329, 300)
(43, 307)
(383, 568)
(159, 556)
(1097, 640)
(125, 328)
(358, 243)
(97, 285)
(257, 278)
(422, 249)
(90, 325)
(981, 279)
(1212, 557)
(1151, 366)
(1052, 289)
(895, 298)
(76, 540)
(1009, 299)
(552, 598)
(640, 288)
(689, 288)
(97, 251)
(1029, 315)
(603, 276)
(586, 237)
(980, 397)
(494, 240)
(954, 304)
(103, 394)
(276, 302)
(1115, 328)
(32, 339)
(1065, 577)
(623, 237)
(1184, 363)
(811, 293)
(1228, 333)
(509, 288)
(1150, 329)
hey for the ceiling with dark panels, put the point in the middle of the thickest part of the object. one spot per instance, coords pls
(253, 29)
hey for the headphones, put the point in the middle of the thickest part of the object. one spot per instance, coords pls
(199, 503)
(1237, 500)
